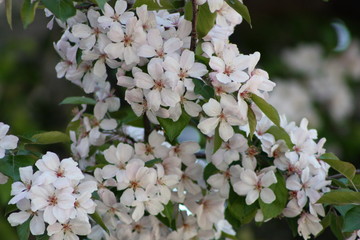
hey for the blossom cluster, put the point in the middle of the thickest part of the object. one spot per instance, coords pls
(148, 185)
(57, 195)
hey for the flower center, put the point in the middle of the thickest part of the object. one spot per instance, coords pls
(52, 200)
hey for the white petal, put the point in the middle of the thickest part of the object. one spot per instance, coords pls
(267, 195)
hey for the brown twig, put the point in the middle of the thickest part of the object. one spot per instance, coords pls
(337, 176)
(200, 155)
(193, 25)
(147, 128)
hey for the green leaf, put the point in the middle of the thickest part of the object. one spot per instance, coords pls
(241, 9)
(23, 230)
(10, 165)
(101, 3)
(352, 220)
(8, 10)
(173, 129)
(335, 226)
(203, 89)
(50, 137)
(345, 168)
(152, 162)
(28, 12)
(205, 20)
(267, 109)
(42, 237)
(153, 5)
(168, 212)
(326, 221)
(96, 217)
(340, 198)
(217, 140)
(252, 121)
(280, 134)
(275, 208)
(62, 9)
(239, 209)
(9, 209)
(78, 100)
(293, 225)
(188, 11)
(343, 209)
(210, 170)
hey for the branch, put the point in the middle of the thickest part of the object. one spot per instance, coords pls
(200, 155)
(147, 128)
(337, 176)
(193, 25)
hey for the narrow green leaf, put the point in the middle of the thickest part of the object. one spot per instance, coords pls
(101, 3)
(352, 220)
(217, 140)
(96, 217)
(173, 129)
(78, 100)
(280, 134)
(152, 162)
(241, 9)
(340, 198)
(8, 10)
(62, 9)
(153, 5)
(23, 230)
(210, 170)
(205, 20)
(28, 12)
(267, 109)
(168, 212)
(203, 89)
(275, 208)
(50, 137)
(345, 168)
(252, 121)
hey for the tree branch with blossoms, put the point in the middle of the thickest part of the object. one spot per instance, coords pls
(131, 174)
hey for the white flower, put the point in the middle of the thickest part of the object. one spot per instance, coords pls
(6, 141)
(156, 46)
(86, 33)
(114, 15)
(230, 67)
(161, 88)
(58, 173)
(153, 149)
(111, 210)
(56, 203)
(309, 224)
(183, 67)
(208, 211)
(21, 190)
(118, 156)
(254, 186)
(68, 230)
(223, 113)
(37, 225)
(126, 43)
